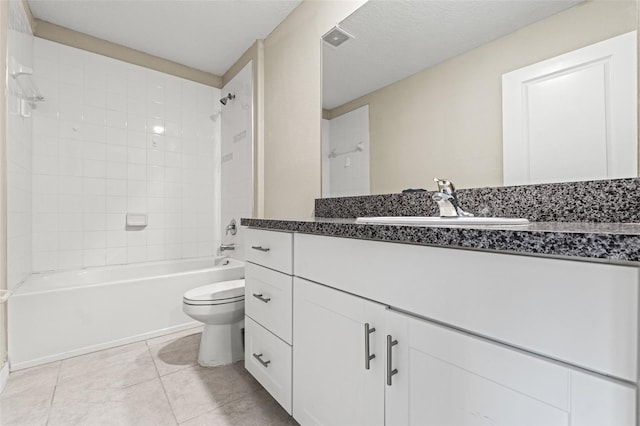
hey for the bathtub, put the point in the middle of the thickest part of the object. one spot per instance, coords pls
(58, 315)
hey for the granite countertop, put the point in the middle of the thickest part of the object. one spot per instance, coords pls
(608, 242)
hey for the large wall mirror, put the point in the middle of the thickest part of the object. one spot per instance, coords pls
(481, 92)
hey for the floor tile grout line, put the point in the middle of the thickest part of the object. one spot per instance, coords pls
(218, 407)
(153, 360)
(164, 390)
(53, 394)
(156, 364)
(59, 371)
(136, 384)
(181, 370)
(166, 395)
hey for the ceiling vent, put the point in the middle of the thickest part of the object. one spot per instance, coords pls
(336, 36)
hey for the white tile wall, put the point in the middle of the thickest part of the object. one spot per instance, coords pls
(237, 157)
(114, 138)
(349, 173)
(326, 150)
(19, 151)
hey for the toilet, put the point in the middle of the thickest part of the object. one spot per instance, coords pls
(220, 306)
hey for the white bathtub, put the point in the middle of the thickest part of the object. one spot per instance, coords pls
(63, 314)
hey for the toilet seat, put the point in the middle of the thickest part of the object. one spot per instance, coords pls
(216, 294)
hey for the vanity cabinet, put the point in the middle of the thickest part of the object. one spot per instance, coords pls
(399, 334)
(338, 359)
(268, 311)
(448, 377)
(582, 313)
(424, 373)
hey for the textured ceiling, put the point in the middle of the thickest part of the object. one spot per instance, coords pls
(209, 35)
(395, 39)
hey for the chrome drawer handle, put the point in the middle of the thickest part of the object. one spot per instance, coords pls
(367, 356)
(260, 248)
(390, 370)
(265, 364)
(259, 297)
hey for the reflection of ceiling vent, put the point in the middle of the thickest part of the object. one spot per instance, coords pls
(336, 36)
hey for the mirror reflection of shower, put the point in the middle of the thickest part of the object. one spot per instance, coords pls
(229, 97)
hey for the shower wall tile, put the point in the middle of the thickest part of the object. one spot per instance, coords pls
(19, 152)
(236, 161)
(117, 138)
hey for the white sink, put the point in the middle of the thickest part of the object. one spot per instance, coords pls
(435, 221)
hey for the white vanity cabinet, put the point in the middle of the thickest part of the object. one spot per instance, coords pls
(423, 373)
(469, 337)
(338, 359)
(447, 377)
(268, 311)
(400, 334)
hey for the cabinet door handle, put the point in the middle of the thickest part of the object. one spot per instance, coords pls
(260, 248)
(390, 370)
(265, 364)
(367, 346)
(259, 297)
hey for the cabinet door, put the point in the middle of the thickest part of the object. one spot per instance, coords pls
(446, 377)
(331, 382)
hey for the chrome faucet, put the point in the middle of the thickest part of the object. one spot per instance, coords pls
(447, 199)
(225, 247)
(231, 227)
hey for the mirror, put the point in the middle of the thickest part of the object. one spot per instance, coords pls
(416, 91)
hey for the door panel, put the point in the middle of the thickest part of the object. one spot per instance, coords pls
(572, 117)
(331, 385)
(447, 377)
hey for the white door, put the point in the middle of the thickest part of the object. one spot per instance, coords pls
(572, 117)
(332, 384)
(445, 377)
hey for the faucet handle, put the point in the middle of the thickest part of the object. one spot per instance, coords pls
(444, 185)
(231, 227)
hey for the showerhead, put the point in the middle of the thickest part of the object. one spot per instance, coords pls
(227, 98)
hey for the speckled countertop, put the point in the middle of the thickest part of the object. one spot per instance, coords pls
(609, 242)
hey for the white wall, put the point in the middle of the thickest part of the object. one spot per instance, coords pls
(348, 171)
(99, 152)
(19, 147)
(237, 157)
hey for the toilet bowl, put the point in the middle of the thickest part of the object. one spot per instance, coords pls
(220, 306)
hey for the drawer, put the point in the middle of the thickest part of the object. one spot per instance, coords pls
(271, 249)
(583, 313)
(268, 359)
(268, 299)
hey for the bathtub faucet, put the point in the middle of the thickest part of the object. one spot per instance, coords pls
(225, 247)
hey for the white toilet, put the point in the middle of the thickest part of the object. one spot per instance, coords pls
(220, 306)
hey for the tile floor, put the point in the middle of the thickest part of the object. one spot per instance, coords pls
(155, 382)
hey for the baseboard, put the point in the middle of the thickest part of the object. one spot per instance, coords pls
(101, 346)
(4, 376)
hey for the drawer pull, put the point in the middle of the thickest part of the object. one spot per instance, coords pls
(263, 299)
(390, 370)
(265, 364)
(367, 356)
(260, 248)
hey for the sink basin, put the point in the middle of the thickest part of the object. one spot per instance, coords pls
(435, 221)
